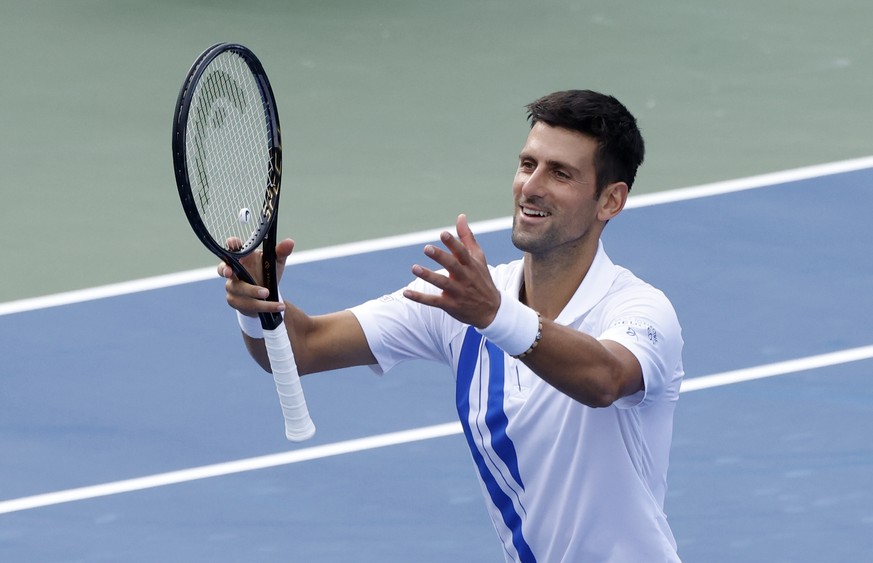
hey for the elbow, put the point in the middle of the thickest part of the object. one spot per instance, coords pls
(614, 381)
(595, 391)
(602, 399)
(597, 395)
(608, 390)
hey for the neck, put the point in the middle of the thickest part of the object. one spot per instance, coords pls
(551, 281)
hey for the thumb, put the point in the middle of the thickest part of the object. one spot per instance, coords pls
(284, 248)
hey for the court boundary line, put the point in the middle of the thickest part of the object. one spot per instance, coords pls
(393, 438)
(421, 237)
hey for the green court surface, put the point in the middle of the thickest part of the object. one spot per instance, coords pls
(397, 115)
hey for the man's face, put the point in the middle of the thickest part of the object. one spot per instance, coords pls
(553, 191)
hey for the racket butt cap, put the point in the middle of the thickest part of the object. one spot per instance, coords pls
(300, 434)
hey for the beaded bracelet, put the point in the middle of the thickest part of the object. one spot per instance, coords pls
(536, 341)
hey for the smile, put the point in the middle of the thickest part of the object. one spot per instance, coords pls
(529, 212)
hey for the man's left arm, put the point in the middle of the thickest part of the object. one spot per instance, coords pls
(594, 372)
(591, 371)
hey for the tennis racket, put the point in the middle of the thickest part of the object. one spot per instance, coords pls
(227, 153)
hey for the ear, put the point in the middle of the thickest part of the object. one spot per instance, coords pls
(612, 200)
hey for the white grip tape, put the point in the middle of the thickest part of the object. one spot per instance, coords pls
(298, 424)
(514, 327)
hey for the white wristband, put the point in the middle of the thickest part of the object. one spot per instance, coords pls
(516, 328)
(251, 326)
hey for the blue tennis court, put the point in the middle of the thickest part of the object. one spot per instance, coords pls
(133, 426)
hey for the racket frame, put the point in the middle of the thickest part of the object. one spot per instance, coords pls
(266, 234)
(298, 424)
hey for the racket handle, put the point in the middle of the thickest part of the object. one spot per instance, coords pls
(298, 424)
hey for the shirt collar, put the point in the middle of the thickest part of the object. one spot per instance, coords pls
(594, 287)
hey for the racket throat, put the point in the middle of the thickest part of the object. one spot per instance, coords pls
(270, 321)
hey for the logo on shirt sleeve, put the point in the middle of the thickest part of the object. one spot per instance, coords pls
(633, 326)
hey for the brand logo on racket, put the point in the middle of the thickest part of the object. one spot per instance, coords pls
(210, 111)
(272, 186)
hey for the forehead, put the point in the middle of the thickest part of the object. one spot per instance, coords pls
(558, 144)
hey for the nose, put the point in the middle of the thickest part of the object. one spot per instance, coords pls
(532, 183)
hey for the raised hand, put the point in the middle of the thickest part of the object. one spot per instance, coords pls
(467, 293)
(250, 299)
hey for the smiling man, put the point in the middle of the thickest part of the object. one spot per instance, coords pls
(567, 367)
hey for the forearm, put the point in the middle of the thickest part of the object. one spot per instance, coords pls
(327, 342)
(258, 351)
(320, 343)
(595, 373)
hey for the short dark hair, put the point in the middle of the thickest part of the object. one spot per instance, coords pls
(620, 147)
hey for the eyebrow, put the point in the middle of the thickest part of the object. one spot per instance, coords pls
(552, 164)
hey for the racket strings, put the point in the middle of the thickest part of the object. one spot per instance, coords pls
(229, 148)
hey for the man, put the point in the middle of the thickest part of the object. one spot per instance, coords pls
(567, 367)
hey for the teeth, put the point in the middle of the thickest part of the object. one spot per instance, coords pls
(533, 212)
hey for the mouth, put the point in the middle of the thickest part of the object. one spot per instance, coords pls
(529, 211)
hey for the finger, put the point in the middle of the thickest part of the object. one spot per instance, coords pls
(284, 249)
(456, 247)
(468, 239)
(250, 299)
(437, 280)
(251, 307)
(441, 257)
(234, 244)
(423, 298)
(463, 229)
(225, 270)
(238, 288)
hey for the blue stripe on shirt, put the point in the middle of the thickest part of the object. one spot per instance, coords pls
(495, 416)
(467, 364)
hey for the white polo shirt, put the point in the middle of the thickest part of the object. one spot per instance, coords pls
(562, 481)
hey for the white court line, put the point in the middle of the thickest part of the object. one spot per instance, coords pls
(422, 237)
(778, 368)
(418, 434)
(230, 467)
(393, 438)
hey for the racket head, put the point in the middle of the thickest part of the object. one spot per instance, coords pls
(227, 152)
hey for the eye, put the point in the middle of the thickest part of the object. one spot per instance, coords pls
(526, 165)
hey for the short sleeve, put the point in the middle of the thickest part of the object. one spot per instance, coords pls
(643, 321)
(398, 329)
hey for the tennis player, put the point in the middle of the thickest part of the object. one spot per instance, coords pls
(567, 366)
